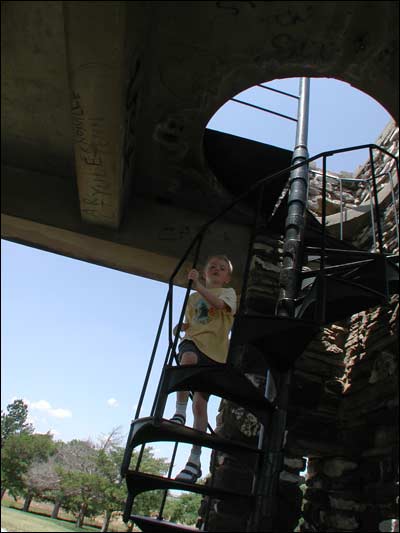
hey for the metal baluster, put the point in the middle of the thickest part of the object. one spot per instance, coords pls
(377, 213)
(341, 208)
(322, 305)
(371, 207)
(396, 219)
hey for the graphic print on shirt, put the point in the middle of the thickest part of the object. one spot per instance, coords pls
(201, 312)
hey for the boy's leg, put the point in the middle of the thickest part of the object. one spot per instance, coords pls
(192, 471)
(200, 402)
(200, 422)
(188, 358)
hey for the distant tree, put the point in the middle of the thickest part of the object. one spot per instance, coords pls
(13, 422)
(76, 466)
(82, 493)
(109, 459)
(80, 455)
(19, 452)
(89, 477)
(42, 480)
(114, 495)
(148, 503)
(109, 463)
(82, 477)
(75, 455)
(183, 509)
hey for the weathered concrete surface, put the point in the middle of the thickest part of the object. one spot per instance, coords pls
(104, 105)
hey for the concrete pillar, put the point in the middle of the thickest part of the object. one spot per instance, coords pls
(97, 83)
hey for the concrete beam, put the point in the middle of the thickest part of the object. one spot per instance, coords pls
(150, 241)
(85, 248)
(95, 39)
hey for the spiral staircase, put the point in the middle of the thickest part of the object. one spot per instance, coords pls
(346, 281)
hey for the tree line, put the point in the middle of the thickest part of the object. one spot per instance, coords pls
(80, 476)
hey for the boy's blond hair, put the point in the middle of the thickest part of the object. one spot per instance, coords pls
(223, 257)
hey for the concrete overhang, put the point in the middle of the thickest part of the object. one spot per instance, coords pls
(105, 107)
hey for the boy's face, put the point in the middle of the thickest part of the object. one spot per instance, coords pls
(217, 272)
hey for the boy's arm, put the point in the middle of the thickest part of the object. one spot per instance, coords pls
(213, 300)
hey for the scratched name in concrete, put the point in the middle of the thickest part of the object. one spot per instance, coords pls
(93, 149)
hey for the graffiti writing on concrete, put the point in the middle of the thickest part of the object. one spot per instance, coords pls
(92, 149)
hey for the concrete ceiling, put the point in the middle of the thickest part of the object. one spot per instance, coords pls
(105, 157)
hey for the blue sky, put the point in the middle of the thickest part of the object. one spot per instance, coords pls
(340, 116)
(76, 337)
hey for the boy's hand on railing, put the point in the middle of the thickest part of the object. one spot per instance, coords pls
(194, 276)
(183, 328)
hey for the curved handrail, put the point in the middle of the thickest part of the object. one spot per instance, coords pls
(263, 180)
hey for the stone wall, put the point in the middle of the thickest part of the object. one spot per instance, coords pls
(351, 485)
(353, 464)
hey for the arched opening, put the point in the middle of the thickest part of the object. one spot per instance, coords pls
(339, 116)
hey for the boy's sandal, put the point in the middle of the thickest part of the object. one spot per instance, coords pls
(190, 474)
(178, 419)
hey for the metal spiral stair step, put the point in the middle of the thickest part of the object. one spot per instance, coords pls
(313, 233)
(335, 256)
(138, 482)
(381, 275)
(343, 299)
(281, 339)
(373, 271)
(224, 381)
(151, 429)
(154, 525)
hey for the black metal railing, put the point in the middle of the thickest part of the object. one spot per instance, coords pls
(196, 244)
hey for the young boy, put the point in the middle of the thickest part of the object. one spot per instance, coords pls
(208, 320)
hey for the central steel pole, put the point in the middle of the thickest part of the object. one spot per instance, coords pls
(265, 516)
(297, 202)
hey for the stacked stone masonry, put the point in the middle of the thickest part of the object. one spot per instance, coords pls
(351, 480)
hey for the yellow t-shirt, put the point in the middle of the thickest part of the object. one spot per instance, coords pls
(209, 327)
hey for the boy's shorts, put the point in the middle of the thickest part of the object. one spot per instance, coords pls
(202, 359)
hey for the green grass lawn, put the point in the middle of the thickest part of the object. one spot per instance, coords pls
(14, 520)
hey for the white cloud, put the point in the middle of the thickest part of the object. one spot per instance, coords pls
(54, 432)
(60, 413)
(44, 405)
(112, 402)
(41, 404)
